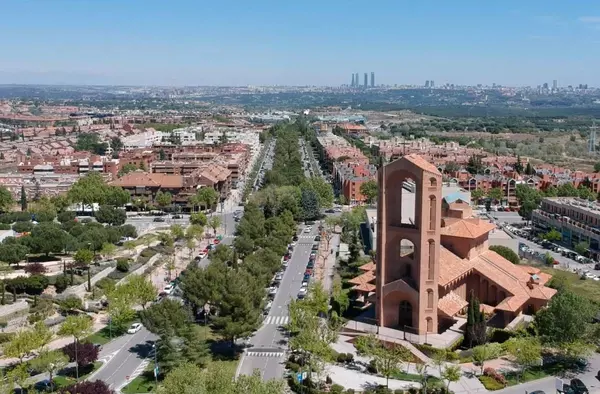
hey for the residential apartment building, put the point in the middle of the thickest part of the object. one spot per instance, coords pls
(81, 164)
(145, 185)
(576, 219)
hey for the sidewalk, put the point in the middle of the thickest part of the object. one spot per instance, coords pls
(99, 323)
(352, 378)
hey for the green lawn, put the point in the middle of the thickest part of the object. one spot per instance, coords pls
(142, 384)
(528, 376)
(69, 379)
(585, 288)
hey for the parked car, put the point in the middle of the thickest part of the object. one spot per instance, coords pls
(158, 220)
(318, 238)
(177, 216)
(308, 230)
(330, 211)
(579, 387)
(43, 386)
(295, 238)
(272, 291)
(202, 255)
(309, 271)
(278, 276)
(311, 265)
(168, 289)
(302, 293)
(135, 327)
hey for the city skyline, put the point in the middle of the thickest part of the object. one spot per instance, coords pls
(151, 43)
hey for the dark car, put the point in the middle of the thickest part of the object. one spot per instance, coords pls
(537, 392)
(315, 247)
(306, 277)
(158, 220)
(330, 211)
(309, 222)
(579, 387)
(310, 265)
(177, 217)
(317, 238)
(295, 238)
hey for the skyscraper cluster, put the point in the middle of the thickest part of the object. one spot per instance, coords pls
(429, 84)
(356, 80)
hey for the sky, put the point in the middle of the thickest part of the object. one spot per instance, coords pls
(310, 42)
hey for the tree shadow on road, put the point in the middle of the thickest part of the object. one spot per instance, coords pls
(143, 350)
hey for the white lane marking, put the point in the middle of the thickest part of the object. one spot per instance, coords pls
(268, 320)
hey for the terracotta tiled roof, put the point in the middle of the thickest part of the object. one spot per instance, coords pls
(365, 278)
(452, 266)
(422, 163)
(467, 228)
(138, 178)
(485, 308)
(521, 283)
(364, 287)
(451, 304)
(370, 266)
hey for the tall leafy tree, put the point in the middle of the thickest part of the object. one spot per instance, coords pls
(370, 190)
(565, 323)
(310, 205)
(168, 317)
(6, 199)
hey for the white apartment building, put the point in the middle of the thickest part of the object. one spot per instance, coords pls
(150, 137)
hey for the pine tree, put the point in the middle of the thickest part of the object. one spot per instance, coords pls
(475, 333)
(23, 199)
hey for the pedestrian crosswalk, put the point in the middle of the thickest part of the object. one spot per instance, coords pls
(305, 236)
(277, 320)
(264, 354)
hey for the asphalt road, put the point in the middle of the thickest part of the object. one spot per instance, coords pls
(128, 356)
(124, 358)
(266, 350)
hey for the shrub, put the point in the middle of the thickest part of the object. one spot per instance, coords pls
(123, 265)
(22, 227)
(147, 253)
(66, 216)
(4, 226)
(6, 336)
(490, 383)
(398, 391)
(349, 357)
(96, 387)
(105, 283)
(350, 391)
(34, 318)
(292, 366)
(71, 303)
(372, 367)
(337, 389)
(61, 283)
(497, 376)
(33, 285)
(499, 335)
(35, 268)
(341, 358)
